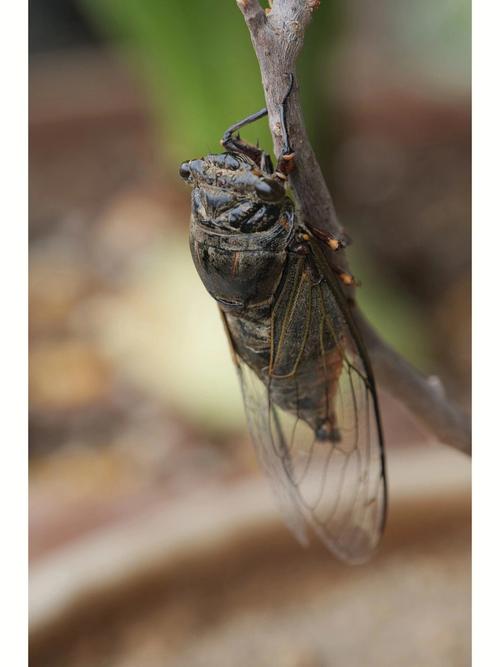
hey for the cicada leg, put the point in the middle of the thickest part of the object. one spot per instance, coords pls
(235, 143)
(228, 138)
(331, 241)
(346, 277)
(286, 160)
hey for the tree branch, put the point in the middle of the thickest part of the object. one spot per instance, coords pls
(277, 36)
(425, 397)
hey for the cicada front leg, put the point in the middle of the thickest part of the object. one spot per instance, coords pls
(234, 143)
(286, 159)
(286, 162)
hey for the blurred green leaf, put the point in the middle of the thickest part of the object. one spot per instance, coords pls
(197, 61)
(200, 69)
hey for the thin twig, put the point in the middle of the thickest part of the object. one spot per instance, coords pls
(277, 35)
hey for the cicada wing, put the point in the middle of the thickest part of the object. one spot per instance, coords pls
(314, 418)
(272, 452)
(353, 527)
(339, 484)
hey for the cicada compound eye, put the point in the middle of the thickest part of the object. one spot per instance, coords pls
(185, 171)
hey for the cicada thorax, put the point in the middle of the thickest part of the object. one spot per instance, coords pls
(240, 270)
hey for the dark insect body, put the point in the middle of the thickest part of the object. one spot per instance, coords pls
(307, 383)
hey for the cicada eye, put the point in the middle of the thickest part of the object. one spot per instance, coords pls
(269, 190)
(185, 171)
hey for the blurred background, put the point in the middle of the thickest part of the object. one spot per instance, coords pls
(154, 541)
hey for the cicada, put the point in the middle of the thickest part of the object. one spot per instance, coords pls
(307, 383)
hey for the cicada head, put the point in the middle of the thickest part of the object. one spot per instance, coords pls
(232, 193)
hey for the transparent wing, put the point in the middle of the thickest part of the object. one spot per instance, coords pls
(273, 453)
(315, 423)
